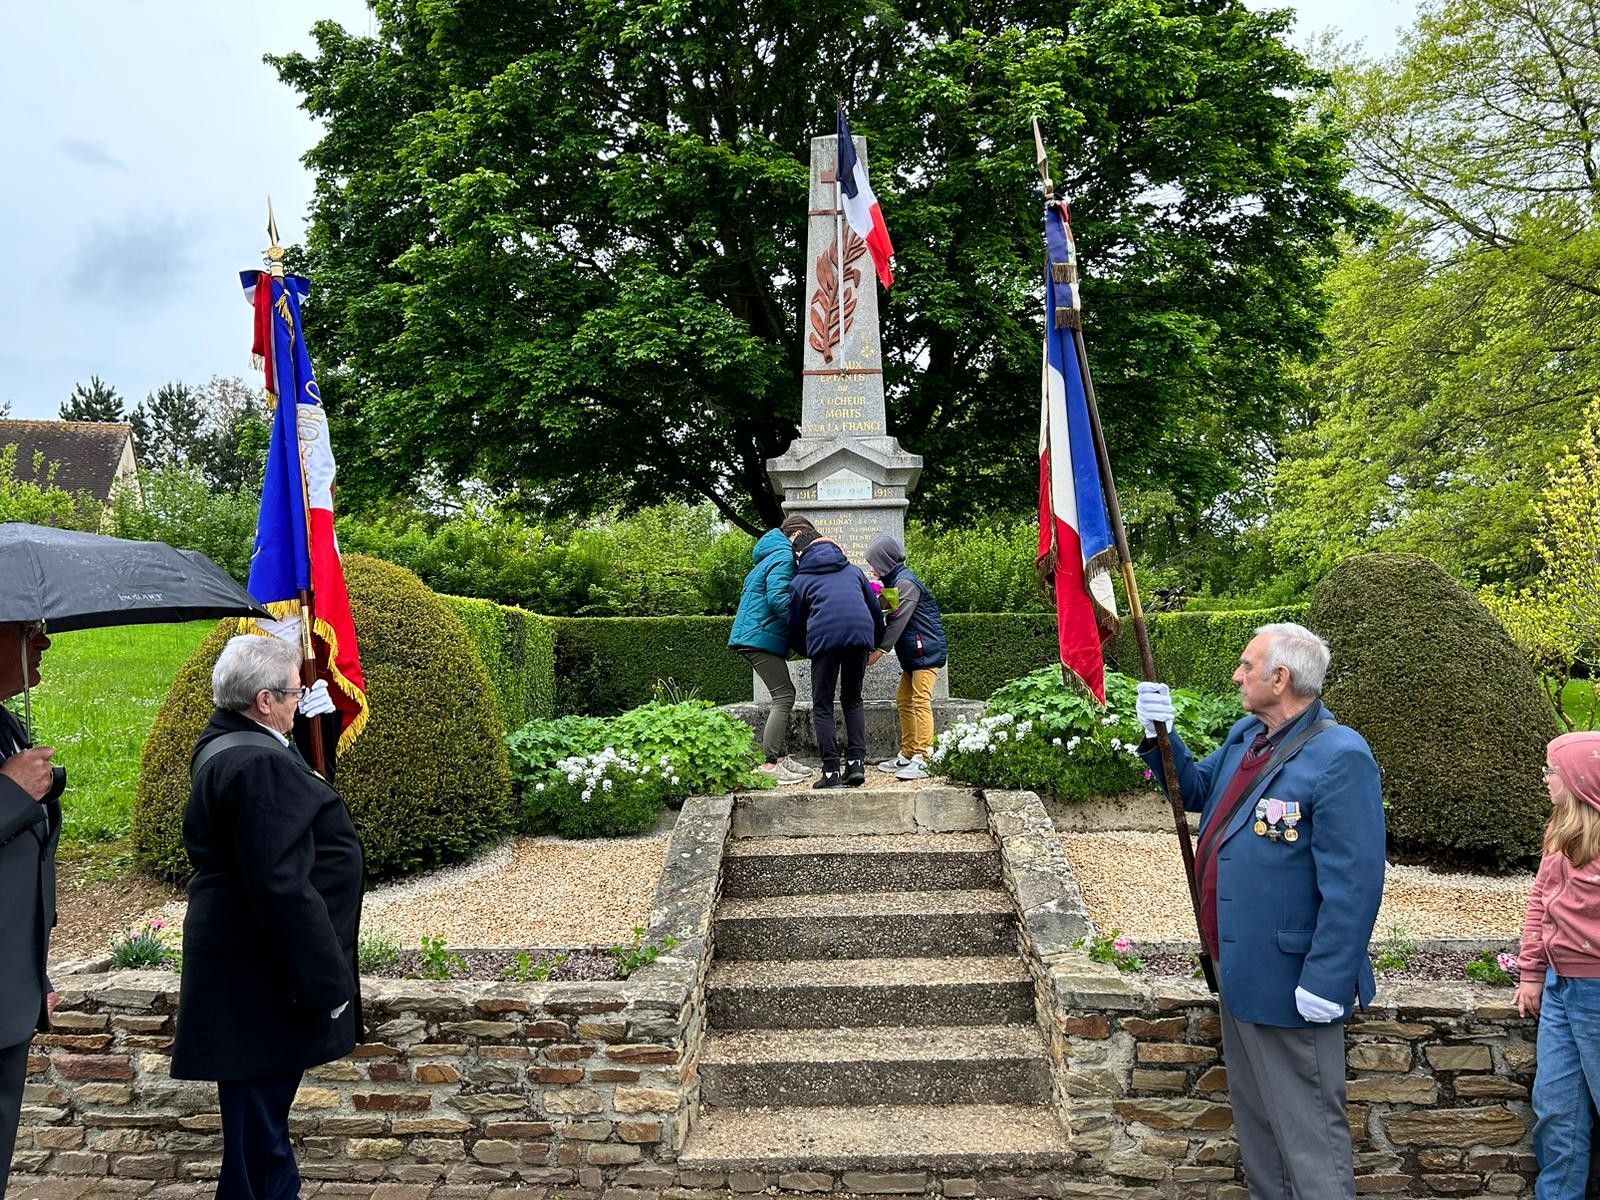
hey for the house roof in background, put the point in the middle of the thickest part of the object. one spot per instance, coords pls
(87, 452)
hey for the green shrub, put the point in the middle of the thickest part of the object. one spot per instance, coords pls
(1198, 650)
(989, 648)
(1448, 703)
(518, 652)
(1043, 735)
(987, 568)
(595, 777)
(427, 782)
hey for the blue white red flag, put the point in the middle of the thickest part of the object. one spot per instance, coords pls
(1076, 550)
(295, 549)
(861, 209)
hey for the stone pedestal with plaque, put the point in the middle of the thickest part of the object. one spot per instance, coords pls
(845, 473)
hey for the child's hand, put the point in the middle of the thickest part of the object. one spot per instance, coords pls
(872, 659)
(1529, 997)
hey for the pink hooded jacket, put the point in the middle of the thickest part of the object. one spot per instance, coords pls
(1563, 925)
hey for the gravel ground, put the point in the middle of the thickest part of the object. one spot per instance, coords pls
(1134, 882)
(92, 905)
(1449, 966)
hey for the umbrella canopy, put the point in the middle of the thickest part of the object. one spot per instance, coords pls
(72, 580)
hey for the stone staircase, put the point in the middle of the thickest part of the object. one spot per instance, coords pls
(871, 1024)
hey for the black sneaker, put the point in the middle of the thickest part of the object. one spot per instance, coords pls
(830, 779)
(855, 773)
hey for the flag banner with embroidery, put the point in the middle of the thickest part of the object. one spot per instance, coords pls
(1076, 550)
(295, 549)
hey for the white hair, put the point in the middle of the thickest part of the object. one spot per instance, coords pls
(249, 663)
(1301, 652)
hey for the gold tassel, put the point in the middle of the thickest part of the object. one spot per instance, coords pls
(1058, 272)
(1069, 318)
(1046, 570)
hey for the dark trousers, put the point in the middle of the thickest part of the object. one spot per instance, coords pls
(844, 669)
(13, 1074)
(257, 1160)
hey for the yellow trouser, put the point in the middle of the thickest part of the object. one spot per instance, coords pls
(914, 698)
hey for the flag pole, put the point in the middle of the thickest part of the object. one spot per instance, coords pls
(308, 652)
(838, 227)
(1141, 631)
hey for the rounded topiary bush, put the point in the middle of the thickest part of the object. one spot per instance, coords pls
(427, 780)
(1448, 703)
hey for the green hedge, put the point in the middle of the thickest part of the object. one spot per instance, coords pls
(1198, 650)
(606, 665)
(988, 650)
(518, 651)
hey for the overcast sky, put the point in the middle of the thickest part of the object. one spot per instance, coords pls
(142, 141)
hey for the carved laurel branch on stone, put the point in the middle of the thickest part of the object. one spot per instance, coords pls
(825, 301)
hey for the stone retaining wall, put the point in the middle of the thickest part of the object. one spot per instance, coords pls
(1439, 1073)
(463, 1083)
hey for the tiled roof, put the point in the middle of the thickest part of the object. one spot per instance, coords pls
(86, 452)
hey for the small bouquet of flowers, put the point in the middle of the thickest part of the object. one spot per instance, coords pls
(888, 597)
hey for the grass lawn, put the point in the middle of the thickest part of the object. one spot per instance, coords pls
(1578, 698)
(99, 693)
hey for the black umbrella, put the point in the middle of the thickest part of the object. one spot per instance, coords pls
(68, 580)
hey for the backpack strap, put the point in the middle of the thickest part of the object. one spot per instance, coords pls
(230, 741)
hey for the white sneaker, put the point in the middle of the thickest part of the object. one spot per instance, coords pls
(915, 769)
(771, 769)
(790, 771)
(897, 763)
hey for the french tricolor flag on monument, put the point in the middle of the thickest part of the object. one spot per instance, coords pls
(861, 206)
(1075, 545)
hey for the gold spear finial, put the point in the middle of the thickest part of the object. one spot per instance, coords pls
(274, 250)
(1042, 162)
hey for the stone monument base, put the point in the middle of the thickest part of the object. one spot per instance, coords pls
(883, 724)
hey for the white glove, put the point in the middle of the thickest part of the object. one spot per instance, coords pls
(335, 1014)
(1315, 1008)
(316, 702)
(1154, 705)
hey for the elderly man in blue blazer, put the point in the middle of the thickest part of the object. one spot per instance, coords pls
(1290, 861)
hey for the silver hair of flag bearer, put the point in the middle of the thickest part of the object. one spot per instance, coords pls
(1290, 868)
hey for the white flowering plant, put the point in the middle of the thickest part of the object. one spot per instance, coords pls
(600, 777)
(1042, 735)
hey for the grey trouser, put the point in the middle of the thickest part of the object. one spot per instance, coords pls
(1288, 1095)
(774, 672)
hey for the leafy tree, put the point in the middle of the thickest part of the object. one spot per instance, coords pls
(559, 247)
(167, 426)
(1465, 341)
(94, 401)
(39, 500)
(220, 429)
(1556, 618)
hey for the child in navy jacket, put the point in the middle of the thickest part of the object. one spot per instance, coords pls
(835, 621)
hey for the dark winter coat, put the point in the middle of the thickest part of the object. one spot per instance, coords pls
(29, 831)
(269, 943)
(831, 604)
(762, 622)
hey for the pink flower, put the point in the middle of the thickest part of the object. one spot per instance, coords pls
(1149, 774)
(1508, 963)
(877, 586)
(1122, 945)
(158, 924)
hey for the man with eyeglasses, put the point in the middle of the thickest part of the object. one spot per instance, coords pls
(270, 983)
(30, 824)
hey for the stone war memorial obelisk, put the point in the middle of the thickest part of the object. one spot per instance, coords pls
(845, 473)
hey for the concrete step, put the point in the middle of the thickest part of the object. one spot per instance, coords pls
(871, 809)
(790, 866)
(837, 993)
(867, 925)
(948, 1140)
(963, 1064)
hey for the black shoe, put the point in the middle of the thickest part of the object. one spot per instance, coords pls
(855, 773)
(830, 779)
